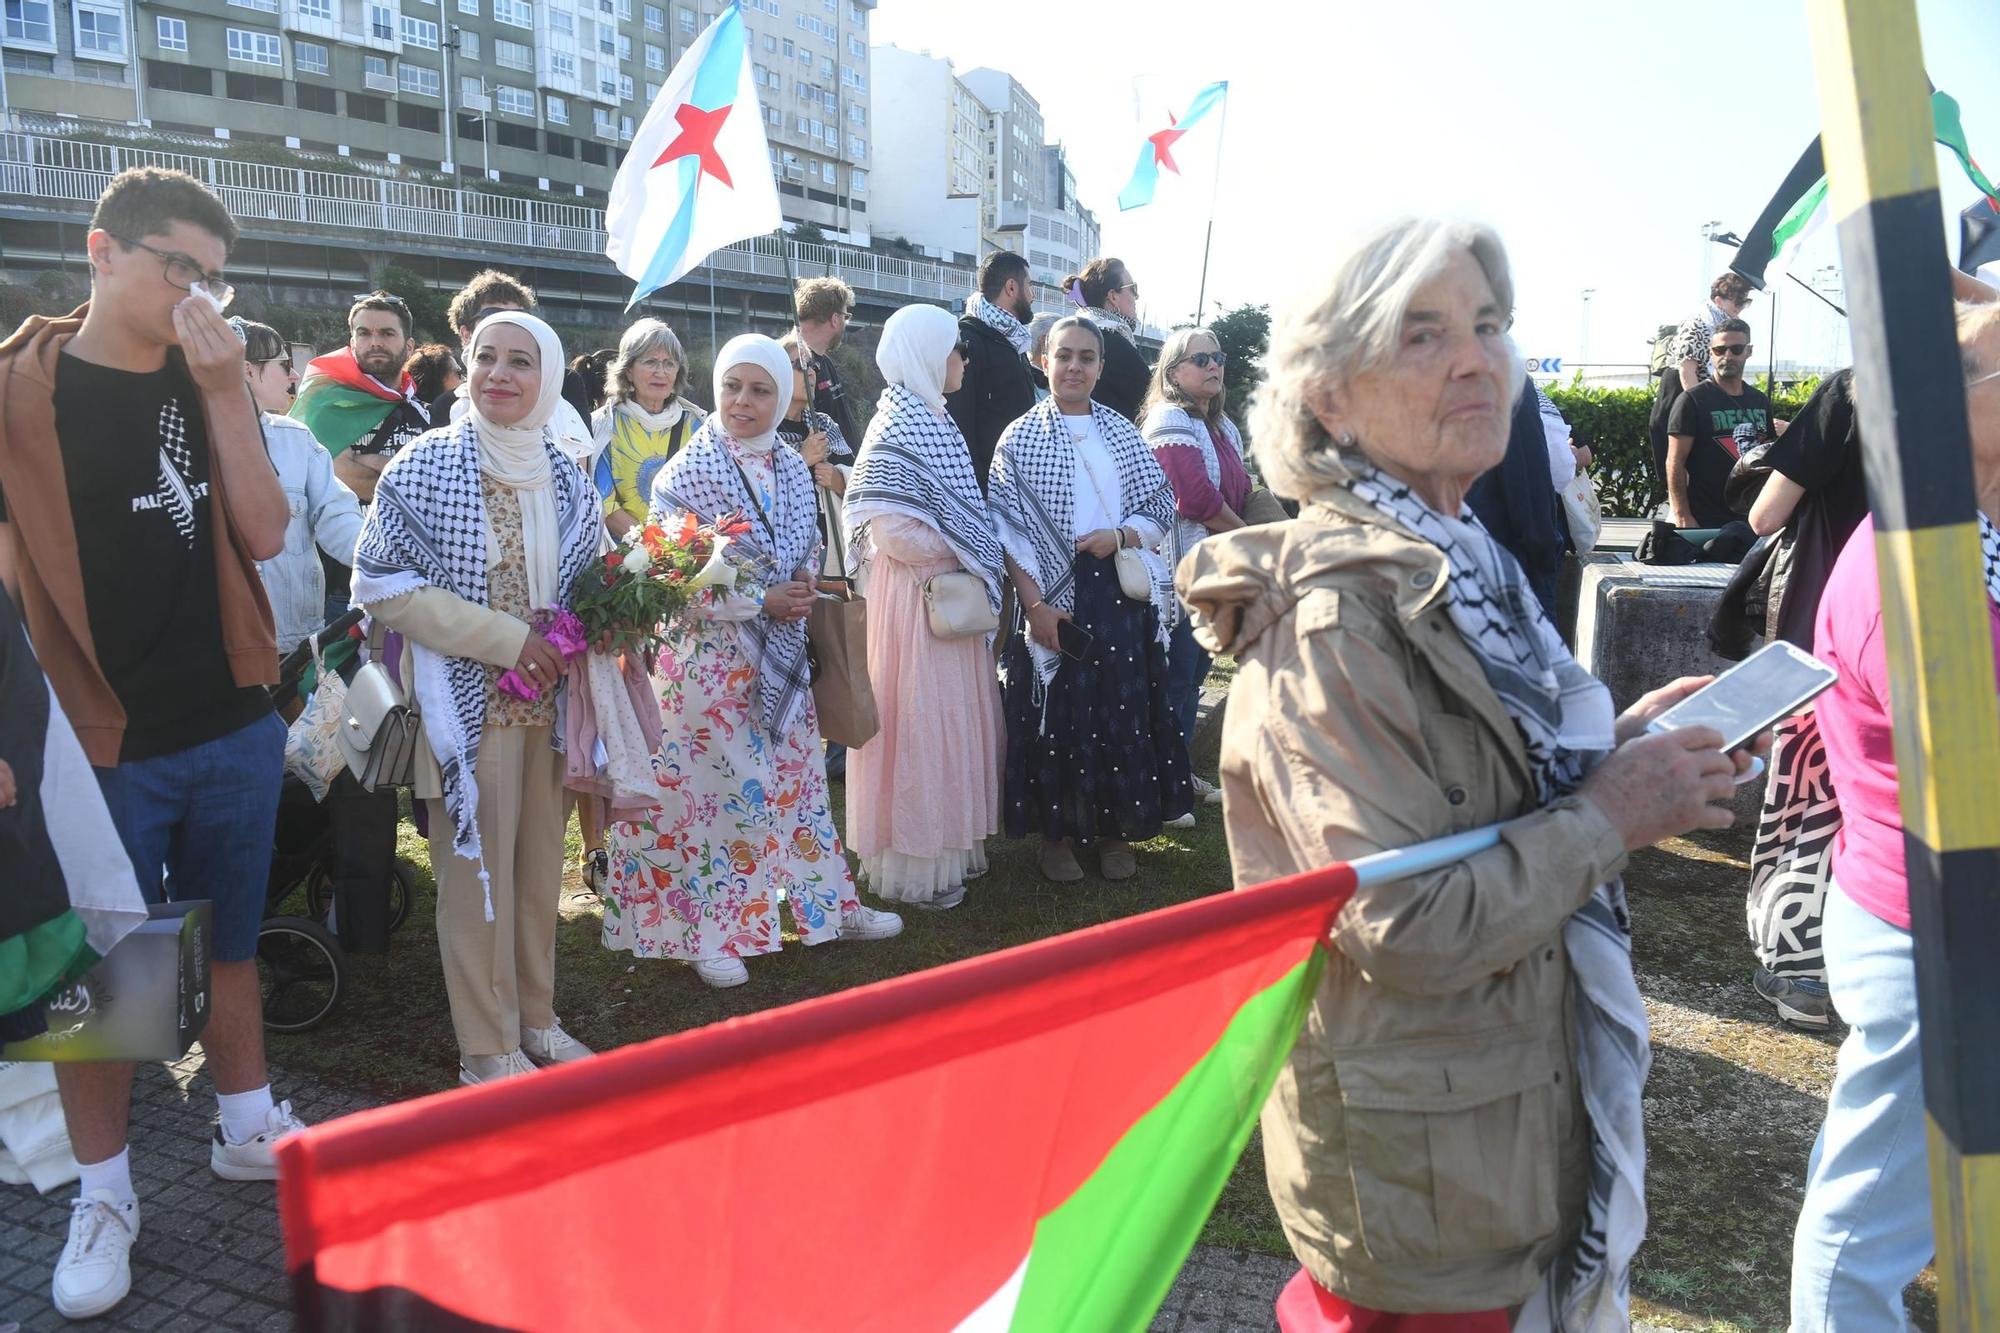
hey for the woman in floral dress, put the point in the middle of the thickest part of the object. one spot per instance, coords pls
(744, 815)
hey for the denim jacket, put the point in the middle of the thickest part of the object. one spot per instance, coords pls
(323, 513)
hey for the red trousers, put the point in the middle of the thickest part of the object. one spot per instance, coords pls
(1304, 1306)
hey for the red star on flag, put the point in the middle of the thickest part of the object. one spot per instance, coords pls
(1163, 144)
(697, 139)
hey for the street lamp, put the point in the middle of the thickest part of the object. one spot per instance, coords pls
(1583, 335)
(1709, 231)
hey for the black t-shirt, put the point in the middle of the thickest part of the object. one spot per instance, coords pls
(135, 452)
(830, 396)
(1821, 451)
(1722, 426)
(404, 423)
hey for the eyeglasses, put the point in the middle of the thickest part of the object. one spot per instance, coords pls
(1989, 375)
(656, 364)
(1731, 349)
(184, 273)
(1205, 359)
(265, 360)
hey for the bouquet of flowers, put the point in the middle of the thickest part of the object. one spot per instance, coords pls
(637, 591)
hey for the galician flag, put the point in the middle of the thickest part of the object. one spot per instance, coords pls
(1028, 1140)
(1799, 210)
(698, 175)
(1157, 153)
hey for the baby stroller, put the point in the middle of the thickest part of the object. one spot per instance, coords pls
(301, 966)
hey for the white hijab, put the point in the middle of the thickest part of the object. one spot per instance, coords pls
(754, 349)
(516, 457)
(916, 344)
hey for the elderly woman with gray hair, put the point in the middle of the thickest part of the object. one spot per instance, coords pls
(644, 421)
(1457, 1132)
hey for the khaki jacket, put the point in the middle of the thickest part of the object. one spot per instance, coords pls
(446, 622)
(42, 531)
(1425, 1145)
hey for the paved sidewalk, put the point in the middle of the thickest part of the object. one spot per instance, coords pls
(210, 1255)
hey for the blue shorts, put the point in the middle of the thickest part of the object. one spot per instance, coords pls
(199, 823)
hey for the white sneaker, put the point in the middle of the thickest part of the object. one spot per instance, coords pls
(1206, 792)
(1185, 821)
(867, 923)
(475, 1069)
(95, 1270)
(723, 972)
(551, 1045)
(253, 1158)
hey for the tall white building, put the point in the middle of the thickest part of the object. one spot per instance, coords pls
(931, 130)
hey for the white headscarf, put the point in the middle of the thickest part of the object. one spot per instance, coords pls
(754, 349)
(517, 457)
(916, 343)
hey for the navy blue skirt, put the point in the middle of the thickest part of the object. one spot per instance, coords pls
(1110, 761)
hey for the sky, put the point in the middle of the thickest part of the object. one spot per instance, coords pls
(1598, 136)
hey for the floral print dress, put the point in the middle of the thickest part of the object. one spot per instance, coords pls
(742, 816)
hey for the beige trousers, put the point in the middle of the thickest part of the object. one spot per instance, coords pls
(500, 975)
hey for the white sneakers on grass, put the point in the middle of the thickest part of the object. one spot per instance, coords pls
(95, 1270)
(869, 923)
(722, 973)
(254, 1158)
(552, 1046)
(477, 1069)
(1206, 792)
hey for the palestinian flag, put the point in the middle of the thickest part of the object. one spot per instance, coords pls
(1979, 239)
(1799, 208)
(1028, 1140)
(340, 403)
(69, 893)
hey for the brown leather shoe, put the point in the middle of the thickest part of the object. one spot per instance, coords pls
(1115, 861)
(1059, 863)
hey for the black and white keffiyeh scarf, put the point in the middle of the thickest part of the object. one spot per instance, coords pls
(1031, 490)
(1566, 721)
(1111, 322)
(427, 529)
(704, 479)
(1000, 321)
(794, 434)
(914, 463)
(1989, 546)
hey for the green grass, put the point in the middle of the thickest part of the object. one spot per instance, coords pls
(1732, 1107)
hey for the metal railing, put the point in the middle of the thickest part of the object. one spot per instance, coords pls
(48, 171)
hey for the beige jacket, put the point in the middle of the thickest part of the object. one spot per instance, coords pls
(1425, 1146)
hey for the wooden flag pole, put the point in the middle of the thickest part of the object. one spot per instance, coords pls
(1214, 192)
(1882, 172)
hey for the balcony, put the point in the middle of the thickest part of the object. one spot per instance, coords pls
(379, 83)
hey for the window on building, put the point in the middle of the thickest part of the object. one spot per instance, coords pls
(318, 97)
(468, 45)
(425, 119)
(556, 109)
(468, 6)
(31, 21)
(562, 64)
(99, 30)
(514, 13)
(802, 125)
(172, 34)
(514, 101)
(375, 67)
(420, 32)
(470, 87)
(382, 23)
(309, 58)
(265, 6)
(509, 135)
(857, 148)
(656, 19)
(601, 120)
(624, 46)
(254, 88)
(812, 127)
(419, 79)
(827, 172)
(561, 145)
(512, 55)
(362, 106)
(652, 93)
(826, 67)
(257, 48)
(594, 153)
(180, 78)
(625, 10)
(774, 117)
(562, 22)
(686, 17)
(625, 127)
(857, 113)
(788, 48)
(856, 14)
(656, 57)
(625, 87)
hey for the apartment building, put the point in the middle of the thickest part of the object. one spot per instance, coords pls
(542, 94)
(934, 129)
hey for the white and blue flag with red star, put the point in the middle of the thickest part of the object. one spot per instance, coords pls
(1156, 154)
(698, 175)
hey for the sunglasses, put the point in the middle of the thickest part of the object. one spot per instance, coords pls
(1131, 287)
(183, 272)
(1731, 349)
(1206, 359)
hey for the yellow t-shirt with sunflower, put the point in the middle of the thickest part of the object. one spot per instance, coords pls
(634, 455)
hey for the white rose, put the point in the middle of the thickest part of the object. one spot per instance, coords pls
(637, 561)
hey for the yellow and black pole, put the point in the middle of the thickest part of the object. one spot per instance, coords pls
(1881, 167)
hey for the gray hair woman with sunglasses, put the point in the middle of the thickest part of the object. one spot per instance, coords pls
(1201, 451)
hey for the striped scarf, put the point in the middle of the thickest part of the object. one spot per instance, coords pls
(1566, 721)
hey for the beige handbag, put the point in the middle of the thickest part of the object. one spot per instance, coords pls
(1134, 579)
(837, 644)
(957, 606)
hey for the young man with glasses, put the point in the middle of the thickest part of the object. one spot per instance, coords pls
(1712, 425)
(1688, 359)
(135, 502)
(357, 401)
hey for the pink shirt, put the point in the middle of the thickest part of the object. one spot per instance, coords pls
(1854, 722)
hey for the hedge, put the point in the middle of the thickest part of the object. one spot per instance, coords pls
(1613, 423)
